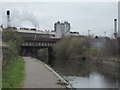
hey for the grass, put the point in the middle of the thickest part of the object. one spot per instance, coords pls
(14, 73)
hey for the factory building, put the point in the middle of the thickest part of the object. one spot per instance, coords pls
(74, 34)
(36, 34)
(61, 29)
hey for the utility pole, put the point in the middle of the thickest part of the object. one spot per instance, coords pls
(89, 32)
(88, 42)
(35, 33)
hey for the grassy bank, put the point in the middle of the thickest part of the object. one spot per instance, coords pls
(13, 75)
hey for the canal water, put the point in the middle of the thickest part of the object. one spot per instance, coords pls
(87, 75)
(95, 80)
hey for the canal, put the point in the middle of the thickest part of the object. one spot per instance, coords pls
(88, 75)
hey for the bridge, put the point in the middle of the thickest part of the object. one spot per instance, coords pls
(31, 44)
(39, 42)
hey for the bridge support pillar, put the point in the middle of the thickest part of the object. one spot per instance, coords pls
(50, 56)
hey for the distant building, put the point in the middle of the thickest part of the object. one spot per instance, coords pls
(98, 41)
(35, 33)
(61, 29)
(74, 33)
(24, 29)
(15, 28)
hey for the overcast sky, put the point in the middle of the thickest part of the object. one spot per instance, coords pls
(83, 16)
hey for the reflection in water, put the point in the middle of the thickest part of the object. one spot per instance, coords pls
(95, 80)
(87, 75)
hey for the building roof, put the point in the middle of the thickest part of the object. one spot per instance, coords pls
(37, 32)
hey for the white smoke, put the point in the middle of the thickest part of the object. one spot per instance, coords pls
(18, 17)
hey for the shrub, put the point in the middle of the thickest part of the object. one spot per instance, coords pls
(12, 40)
(71, 47)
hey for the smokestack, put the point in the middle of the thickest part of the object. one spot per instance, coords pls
(115, 28)
(8, 18)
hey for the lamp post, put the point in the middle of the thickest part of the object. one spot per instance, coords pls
(35, 33)
(88, 42)
(89, 32)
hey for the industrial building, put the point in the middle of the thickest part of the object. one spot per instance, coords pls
(61, 29)
(36, 33)
(74, 33)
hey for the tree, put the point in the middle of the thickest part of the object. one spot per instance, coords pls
(71, 47)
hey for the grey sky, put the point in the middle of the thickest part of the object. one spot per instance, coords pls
(96, 16)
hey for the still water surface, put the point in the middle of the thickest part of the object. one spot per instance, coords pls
(95, 80)
(86, 75)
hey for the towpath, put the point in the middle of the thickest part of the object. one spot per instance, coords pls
(38, 76)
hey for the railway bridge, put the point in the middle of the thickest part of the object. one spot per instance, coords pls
(31, 46)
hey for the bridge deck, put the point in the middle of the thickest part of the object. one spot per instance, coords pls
(39, 42)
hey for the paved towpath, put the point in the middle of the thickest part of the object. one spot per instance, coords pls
(38, 76)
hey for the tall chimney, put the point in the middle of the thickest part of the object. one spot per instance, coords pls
(8, 18)
(115, 28)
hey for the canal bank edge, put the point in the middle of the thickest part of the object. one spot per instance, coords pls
(62, 79)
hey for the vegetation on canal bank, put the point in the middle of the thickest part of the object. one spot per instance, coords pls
(79, 56)
(12, 41)
(13, 74)
(72, 48)
(78, 48)
(71, 51)
(12, 63)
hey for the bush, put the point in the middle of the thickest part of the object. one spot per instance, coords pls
(12, 40)
(72, 47)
